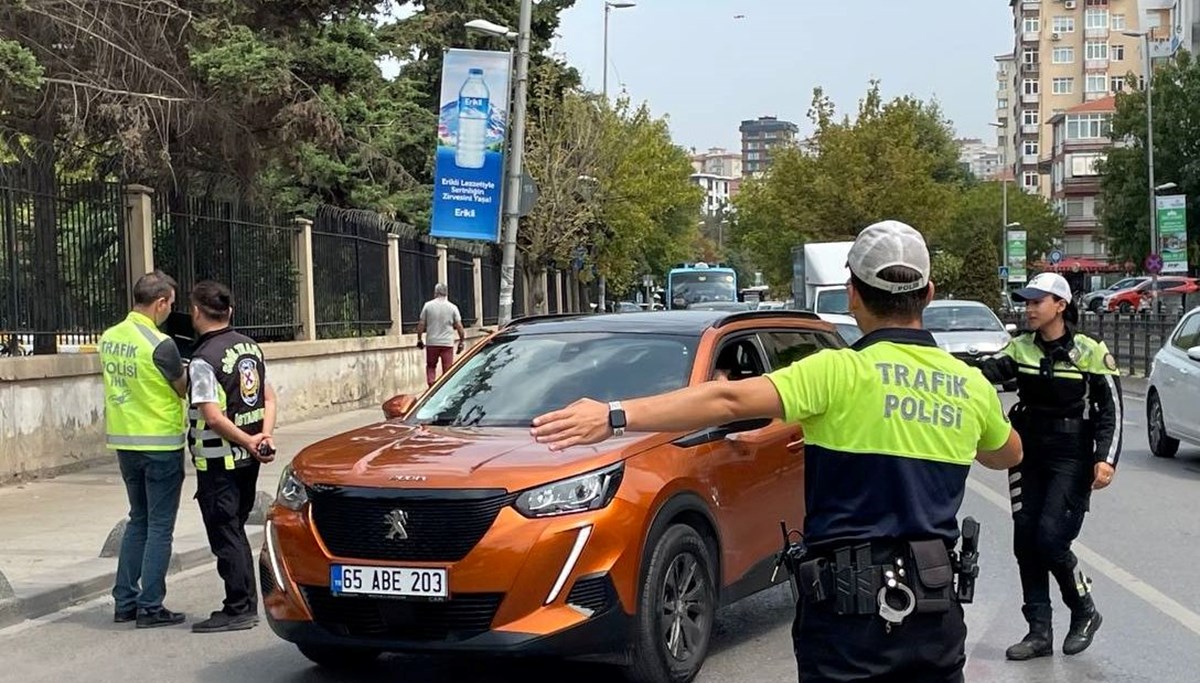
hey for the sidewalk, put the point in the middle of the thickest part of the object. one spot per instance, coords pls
(52, 532)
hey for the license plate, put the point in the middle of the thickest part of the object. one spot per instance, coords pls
(397, 582)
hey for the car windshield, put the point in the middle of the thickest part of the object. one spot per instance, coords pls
(961, 319)
(700, 287)
(722, 306)
(833, 301)
(849, 332)
(1125, 284)
(515, 378)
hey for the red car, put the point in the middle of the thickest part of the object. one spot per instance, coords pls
(1140, 297)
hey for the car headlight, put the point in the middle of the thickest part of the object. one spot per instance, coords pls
(590, 491)
(291, 494)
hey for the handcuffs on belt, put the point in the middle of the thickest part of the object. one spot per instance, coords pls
(894, 616)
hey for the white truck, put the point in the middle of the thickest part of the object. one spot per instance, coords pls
(819, 276)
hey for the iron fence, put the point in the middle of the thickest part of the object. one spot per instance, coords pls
(460, 275)
(62, 259)
(248, 248)
(1133, 340)
(489, 274)
(418, 275)
(350, 273)
(552, 292)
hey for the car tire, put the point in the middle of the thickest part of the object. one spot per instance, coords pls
(339, 658)
(672, 634)
(1161, 444)
(1126, 308)
(1094, 305)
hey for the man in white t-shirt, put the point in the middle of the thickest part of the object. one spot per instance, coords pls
(440, 319)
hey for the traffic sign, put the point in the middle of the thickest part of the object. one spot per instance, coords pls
(1056, 256)
(1154, 264)
(529, 195)
(1003, 272)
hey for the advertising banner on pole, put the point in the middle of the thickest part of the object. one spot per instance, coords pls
(1172, 233)
(1017, 271)
(468, 183)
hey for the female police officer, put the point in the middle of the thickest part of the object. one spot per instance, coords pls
(1069, 419)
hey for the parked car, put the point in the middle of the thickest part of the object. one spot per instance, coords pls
(967, 329)
(1141, 297)
(1094, 300)
(1173, 393)
(448, 529)
(846, 326)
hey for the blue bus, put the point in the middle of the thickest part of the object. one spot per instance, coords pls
(696, 283)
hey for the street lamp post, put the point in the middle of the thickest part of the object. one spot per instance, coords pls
(1149, 76)
(1004, 202)
(516, 158)
(602, 294)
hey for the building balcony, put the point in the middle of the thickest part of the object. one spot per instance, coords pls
(1031, 5)
(1030, 98)
(1030, 68)
(1096, 65)
(1030, 129)
(1093, 96)
(1095, 32)
(1029, 160)
(1030, 37)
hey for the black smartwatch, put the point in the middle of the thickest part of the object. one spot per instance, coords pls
(616, 418)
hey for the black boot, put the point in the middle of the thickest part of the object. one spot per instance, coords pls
(1039, 642)
(1085, 621)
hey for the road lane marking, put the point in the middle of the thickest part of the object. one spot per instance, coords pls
(1149, 594)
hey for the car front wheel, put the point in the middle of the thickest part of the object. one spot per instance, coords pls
(1161, 444)
(678, 604)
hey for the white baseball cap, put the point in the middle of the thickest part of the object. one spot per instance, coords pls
(1043, 285)
(885, 245)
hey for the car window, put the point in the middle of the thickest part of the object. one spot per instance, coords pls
(966, 318)
(517, 377)
(739, 358)
(851, 333)
(1188, 334)
(786, 347)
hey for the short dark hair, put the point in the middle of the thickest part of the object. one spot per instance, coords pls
(214, 299)
(888, 306)
(153, 286)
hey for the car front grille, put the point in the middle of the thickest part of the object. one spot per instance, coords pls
(266, 580)
(439, 525)
(461, 617)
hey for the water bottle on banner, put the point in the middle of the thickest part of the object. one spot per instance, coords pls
(473, 114)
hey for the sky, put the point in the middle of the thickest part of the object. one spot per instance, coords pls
(707, 70)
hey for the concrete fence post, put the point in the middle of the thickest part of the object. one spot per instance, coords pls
(306, 300)
(477, 272)
(394, 284)
(139, 235)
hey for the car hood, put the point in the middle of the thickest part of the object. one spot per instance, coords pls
(972, 342)
(393, 454)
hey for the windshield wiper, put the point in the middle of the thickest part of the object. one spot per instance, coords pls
(443, 420)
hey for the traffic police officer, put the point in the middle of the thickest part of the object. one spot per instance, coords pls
(231, 417)
(144, 384)
(1061, 375)
(892, 426)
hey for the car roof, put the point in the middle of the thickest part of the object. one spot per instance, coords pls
(943, 303)
(688, 323)
(839, 318)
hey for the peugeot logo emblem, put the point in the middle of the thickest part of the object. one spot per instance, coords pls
(397, 520)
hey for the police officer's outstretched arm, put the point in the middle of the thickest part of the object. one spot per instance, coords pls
(998, 369)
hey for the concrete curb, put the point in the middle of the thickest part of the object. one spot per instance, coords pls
(15, 610)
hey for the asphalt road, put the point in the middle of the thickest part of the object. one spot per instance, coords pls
(1139, 543)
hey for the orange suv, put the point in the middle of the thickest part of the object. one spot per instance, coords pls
(447, 528)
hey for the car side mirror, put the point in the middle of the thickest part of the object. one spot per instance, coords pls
(398, 406)
(1010, 328)
(1194, 353)
(745, 425)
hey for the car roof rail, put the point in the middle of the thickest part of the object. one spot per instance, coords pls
(545, 317)
(755, 315)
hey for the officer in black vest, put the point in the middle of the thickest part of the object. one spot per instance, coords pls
(230, 421)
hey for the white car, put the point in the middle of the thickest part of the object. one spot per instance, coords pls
(846, 326)
(1173, 393)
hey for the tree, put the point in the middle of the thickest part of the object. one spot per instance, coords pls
(894, 160)
(978, 214)
(979, 278)
(1125, 199)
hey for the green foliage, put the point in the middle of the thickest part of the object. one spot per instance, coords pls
(895, 160)
(1125, 207)
(19, 69)
(978, 215)
(979, 278)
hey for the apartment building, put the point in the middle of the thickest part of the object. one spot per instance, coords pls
(1080, 138)
(1006, 97)
(978, 157)
(1066, 53)
(759, 137)
(718, 161)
